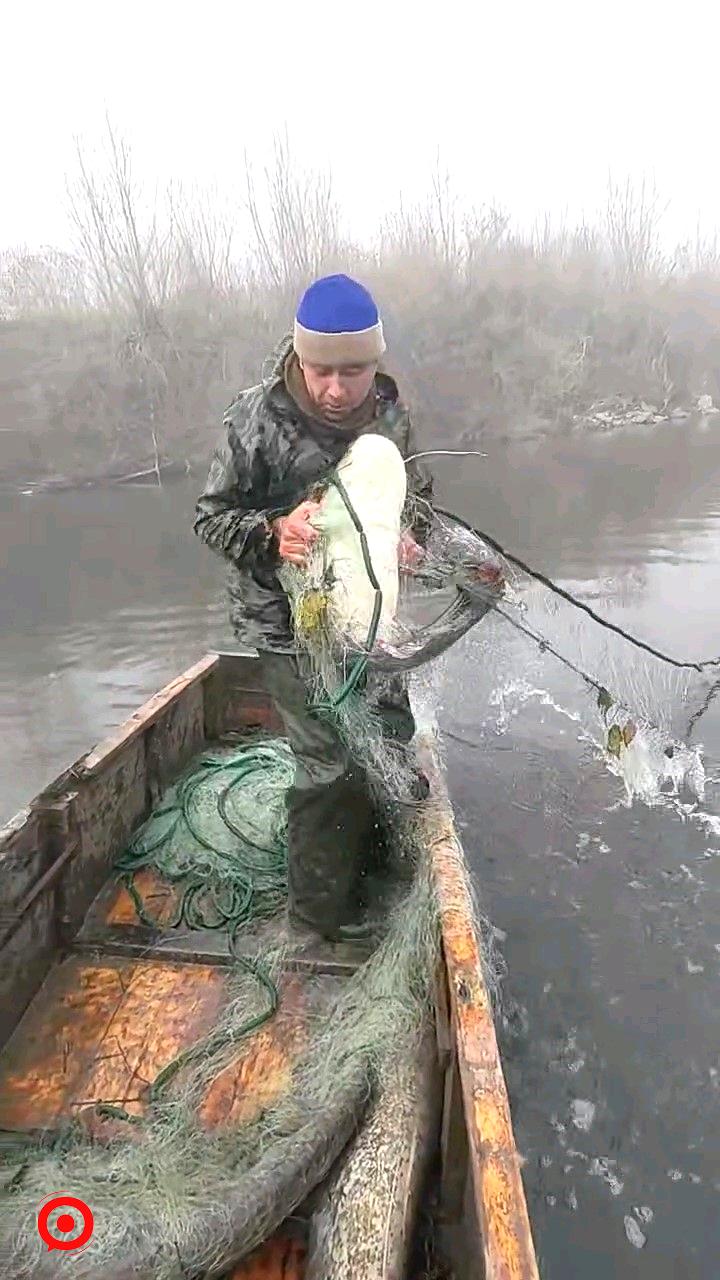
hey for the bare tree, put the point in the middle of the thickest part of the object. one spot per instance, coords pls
(130, 258)
(294, 220)
(632, 222)
(205, 238)
(440, 232)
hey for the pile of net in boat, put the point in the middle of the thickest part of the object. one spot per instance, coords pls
(174, 1193)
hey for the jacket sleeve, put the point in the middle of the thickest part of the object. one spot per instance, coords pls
(231, 514)
(420, 487)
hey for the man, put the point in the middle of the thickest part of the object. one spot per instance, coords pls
(323, 388)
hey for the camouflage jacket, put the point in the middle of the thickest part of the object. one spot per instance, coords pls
(269, 457)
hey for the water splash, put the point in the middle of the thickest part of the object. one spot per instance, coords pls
(512, 696)
(654, 768)
(651, 767)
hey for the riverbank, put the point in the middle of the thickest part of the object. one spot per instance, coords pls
(514, 341)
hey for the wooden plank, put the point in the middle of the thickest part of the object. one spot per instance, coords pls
(236, 698)
(100, 1032)
(158, 897)
(26, 852)
(146, 715)
(174, 738)
(494, 1161)
(112, 927)
(50, 1050)
(206, 947)
(108, 804)
(113, 910)
(18, 834)
(165, 1008)
(263, 1068)
(24, 856)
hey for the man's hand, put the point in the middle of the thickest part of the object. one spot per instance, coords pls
(410, 553)
(296, 534)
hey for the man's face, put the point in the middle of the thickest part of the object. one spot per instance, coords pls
(336, 392)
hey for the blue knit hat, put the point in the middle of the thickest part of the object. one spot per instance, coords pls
(337, 323)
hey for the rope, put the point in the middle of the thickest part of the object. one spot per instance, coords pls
(605, 699)
(710, 697)
(579, 604)
(221, 1037)
(446, 453)
(359, 667)
(232, 897)
(545, 647)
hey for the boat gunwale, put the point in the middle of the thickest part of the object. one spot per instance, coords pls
(475, 1071)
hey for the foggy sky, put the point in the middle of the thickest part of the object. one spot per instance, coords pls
(529, 105)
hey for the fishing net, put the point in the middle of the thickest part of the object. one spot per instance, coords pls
(172, 1194)
(635, 711)
(448, 590)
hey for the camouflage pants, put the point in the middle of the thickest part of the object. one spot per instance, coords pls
(332, 823)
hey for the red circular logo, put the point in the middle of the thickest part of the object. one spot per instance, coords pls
(82, 1218)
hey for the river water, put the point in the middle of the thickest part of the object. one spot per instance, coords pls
(599, 876)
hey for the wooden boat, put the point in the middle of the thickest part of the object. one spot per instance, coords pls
(91, 1000)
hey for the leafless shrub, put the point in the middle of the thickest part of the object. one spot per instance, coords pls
(632, 223)
(440, 231)
(45, 281)
(204, 234)
(129, 253)
(294, 219)
(699, 256)
(170, 304)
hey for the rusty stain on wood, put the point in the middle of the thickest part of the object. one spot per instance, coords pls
(282, 1258)
(262, 1068)
(166, 1008)
(236, 709)
(102, 1032)
(46, 1057)
(158, 897)
(499, 1195)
